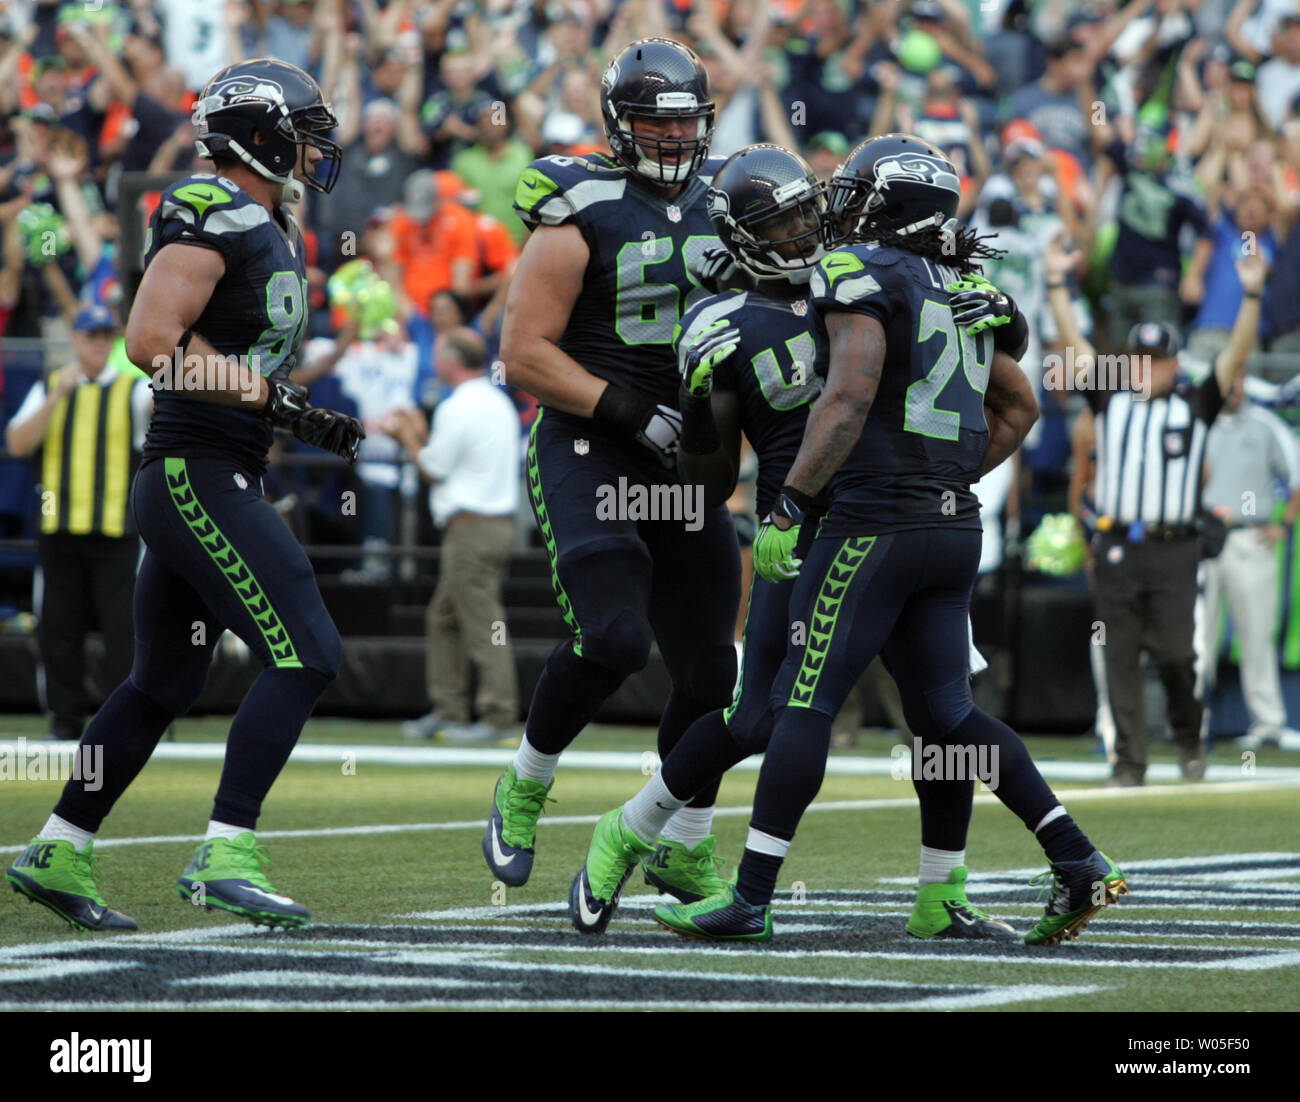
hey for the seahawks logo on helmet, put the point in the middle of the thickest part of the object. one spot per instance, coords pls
(914, 167)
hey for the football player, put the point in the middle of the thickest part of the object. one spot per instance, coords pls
(599, 289)
(752, 360)
(225, 279)
(895, 558)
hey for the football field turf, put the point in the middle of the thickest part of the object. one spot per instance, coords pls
(381, 840)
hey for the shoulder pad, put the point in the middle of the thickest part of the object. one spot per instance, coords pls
(213, 202)
(845, 275)
(705, 312)
(553, 190)
(710, 168)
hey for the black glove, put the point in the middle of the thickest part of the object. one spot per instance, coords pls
(285, 402)
(714, 268)
(330, 430)
(652, 424)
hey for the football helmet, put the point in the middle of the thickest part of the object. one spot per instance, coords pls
(893, 185)
(260, 112)
(657, 78)
(766, 205)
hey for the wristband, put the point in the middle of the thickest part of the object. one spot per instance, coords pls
(1056, 286)
(1012, 338)
(798, 498)
(1248, 294)
(621, 409)
(699, 430)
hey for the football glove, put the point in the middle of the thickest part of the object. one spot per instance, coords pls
(654, 425)
(714, 267)
(285, 402)
(715, 344)
(978, 305)
(774, 547)
(331, 431)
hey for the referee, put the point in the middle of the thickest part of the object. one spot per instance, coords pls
(1150, 427)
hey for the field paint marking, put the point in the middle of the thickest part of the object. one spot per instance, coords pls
(633, 761)
(1153, 864)
(1024, 993)
(328, 979)
(879, 804)
(61, 970)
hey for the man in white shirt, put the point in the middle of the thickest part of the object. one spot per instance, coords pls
(1248, 452)
(89, 425)
(1278, 79)
(472, 459)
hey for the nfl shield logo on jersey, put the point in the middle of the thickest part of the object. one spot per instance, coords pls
(674, 214)
(581, 447)
(800, 307)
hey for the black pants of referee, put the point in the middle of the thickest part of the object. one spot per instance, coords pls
(87, 582)
(1146, 596)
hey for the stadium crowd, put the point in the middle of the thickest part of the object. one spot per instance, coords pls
(1160, 137)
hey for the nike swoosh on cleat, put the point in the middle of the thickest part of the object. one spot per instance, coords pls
(953, 912)
(497, 856)
(589, 917)
(284, 900)
(96, 914)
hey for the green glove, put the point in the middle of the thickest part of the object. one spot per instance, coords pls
(774, 552)
(715, 343)
(978, 305)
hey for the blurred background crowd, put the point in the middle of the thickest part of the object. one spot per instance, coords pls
(1161, 137)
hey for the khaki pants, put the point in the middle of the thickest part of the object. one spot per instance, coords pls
(1246, 574)
(466, 623)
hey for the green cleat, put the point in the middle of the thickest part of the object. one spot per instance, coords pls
(689, 874)
(56, 875)
(726, 916)
(943, 911)
(611, 857)
(1079, 890)
(225, 874)
(508, 843)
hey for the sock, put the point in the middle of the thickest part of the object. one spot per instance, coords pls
(690, 826)
(56, 828)
(646, 813)
(568, 694)
(223, 830)
(936, 864)
(262, 736)
(760, 866)
(125, 730)
(1061, 838)
(532, 764)
(681, 713)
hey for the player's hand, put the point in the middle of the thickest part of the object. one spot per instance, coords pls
(715, 267)
(331, 431)
(977, 305)
(660, 431)
(285, 402)
(774, 551)
(714, 345)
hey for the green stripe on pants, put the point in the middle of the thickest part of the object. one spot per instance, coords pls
(826, 611)
(538, 502)
(230, 564)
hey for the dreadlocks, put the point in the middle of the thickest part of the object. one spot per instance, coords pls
(959, 248)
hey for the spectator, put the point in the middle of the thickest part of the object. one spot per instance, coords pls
(450, 116)
(472, 459)
(1279, 77)
(493, 164)
(435, 244)
(87, 547)
(1249, 451)
(826, 152)
(1059, 103)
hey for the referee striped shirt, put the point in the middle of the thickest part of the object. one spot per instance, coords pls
(1151, 453)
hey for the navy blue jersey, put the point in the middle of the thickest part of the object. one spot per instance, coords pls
(638, 282)
(258, 310)
(777, 370)
(924, 441)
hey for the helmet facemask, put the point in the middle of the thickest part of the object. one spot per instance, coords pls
(861, 210)
(784, 240)
(645, 154)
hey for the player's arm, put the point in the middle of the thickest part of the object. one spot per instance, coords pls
(717, 470)
(1251, 270)
(857, 358)
(172, 296)
(546, 286)
(1081, 466)
(1010, 409)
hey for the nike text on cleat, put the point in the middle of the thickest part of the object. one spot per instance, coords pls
(943, 911)
(508, 843)
(1079, 890)
(54, 874)
(225, 874)
(688, 874)
(726, 916)
(611, 857)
